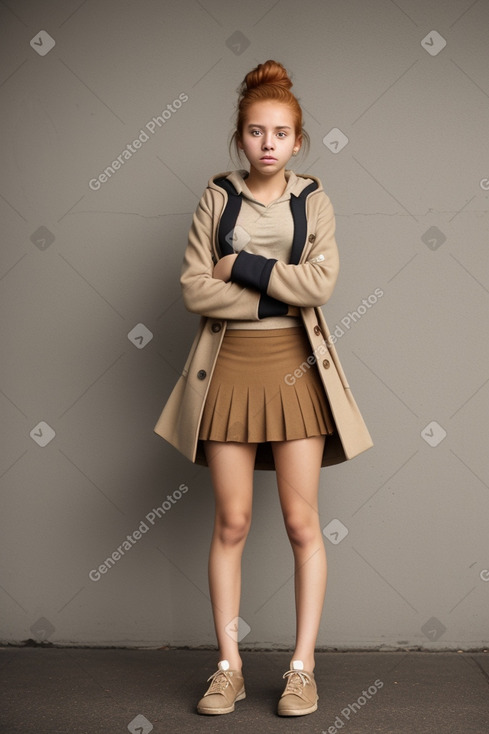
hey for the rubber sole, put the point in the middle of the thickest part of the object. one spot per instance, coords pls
(298, 712)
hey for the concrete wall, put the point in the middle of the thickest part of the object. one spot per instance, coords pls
(94, 333)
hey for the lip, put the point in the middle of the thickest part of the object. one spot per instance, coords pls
(268, 158)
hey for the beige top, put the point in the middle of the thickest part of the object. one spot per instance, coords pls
(307, 284)
(268, 230)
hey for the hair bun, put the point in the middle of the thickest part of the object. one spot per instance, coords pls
(270, 72)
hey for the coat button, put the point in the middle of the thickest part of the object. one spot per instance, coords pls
(326, 363)
(216, 327)
(317, 330)
(201, 374)
(311, 237)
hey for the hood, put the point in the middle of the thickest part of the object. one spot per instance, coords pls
(296, 181)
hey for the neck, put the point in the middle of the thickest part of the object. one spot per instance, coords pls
(259, 182)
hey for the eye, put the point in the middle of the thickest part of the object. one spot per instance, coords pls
(282, 133)
(258, 132)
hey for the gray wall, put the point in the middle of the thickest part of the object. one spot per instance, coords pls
(85, 265)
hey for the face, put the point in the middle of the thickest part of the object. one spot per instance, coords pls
(269, 137)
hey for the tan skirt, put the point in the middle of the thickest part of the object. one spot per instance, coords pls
(263, 389)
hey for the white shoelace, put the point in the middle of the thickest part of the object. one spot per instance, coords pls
(296, 684)
(220, 681)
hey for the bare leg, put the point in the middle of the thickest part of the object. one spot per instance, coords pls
(298, 465)
(231, 466)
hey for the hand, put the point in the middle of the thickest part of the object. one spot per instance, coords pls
(222, 270)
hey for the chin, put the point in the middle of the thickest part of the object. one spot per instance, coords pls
(269, 166)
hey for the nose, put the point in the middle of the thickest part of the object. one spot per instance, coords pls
(268, 142)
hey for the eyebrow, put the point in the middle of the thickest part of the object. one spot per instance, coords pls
(278, 127)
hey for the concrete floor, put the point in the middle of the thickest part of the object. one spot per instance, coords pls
(107, 691)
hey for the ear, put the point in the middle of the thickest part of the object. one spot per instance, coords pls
(298, 143)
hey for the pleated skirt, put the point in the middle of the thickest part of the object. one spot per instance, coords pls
(264, 389)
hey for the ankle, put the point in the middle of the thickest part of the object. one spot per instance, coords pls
(234, 663)
(308, 662)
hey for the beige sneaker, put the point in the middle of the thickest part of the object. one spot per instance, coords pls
(300, 696)
(227, 686)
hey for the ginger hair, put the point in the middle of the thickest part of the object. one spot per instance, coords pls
(267, 81)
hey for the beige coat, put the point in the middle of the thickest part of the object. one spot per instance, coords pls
(307, 285)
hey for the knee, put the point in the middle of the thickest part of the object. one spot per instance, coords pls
(302, 530)
(233, 529)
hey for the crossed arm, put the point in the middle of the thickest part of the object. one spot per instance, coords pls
(252, 287)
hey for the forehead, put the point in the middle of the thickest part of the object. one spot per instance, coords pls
(270, 113)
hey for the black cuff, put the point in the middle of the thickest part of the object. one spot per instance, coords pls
(269, 306)
(252, 271)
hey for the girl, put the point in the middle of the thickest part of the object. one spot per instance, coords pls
(263, 386)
